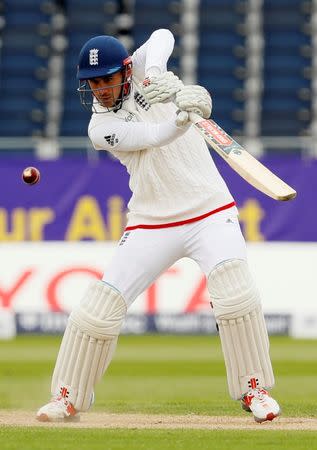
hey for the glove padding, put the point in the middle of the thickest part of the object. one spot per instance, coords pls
(161, 88)
(182, 118)
(194, 98)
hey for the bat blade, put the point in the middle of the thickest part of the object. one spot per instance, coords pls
(242, 161)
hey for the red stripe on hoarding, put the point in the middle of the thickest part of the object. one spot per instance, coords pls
(182, 222)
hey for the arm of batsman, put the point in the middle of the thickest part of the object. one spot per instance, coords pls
(161, 88)
(194, 98)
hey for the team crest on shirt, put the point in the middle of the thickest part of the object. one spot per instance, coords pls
(140, 100)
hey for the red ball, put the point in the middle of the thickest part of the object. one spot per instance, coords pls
(31, 175)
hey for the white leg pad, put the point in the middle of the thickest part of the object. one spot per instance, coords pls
(88, 344)
(242, 328)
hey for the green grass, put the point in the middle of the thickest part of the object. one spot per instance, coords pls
(159, 375)
(65, 439)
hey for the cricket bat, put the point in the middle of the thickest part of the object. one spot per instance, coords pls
(242, 161)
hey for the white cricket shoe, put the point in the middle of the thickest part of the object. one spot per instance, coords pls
(261, 404)
(57, 410)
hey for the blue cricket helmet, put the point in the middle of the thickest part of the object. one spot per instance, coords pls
(100, 56)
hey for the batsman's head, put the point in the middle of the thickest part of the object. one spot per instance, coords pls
(104, 72)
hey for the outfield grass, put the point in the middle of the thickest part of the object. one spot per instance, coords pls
(65, 439)
(161, 375)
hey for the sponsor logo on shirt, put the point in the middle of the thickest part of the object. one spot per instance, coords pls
(129, 117)
(111, 139)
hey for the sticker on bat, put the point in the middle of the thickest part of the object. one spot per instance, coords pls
(216, 135)
(220, 136)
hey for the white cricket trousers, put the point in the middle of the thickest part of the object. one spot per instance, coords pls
(143, 254)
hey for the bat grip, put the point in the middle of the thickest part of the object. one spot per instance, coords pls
(194, 118)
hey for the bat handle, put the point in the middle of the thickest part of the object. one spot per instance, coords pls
(194, 118)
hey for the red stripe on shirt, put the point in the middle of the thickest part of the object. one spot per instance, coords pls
(182, 222)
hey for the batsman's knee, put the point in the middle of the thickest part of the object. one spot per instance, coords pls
(232, 289)
(101, 312)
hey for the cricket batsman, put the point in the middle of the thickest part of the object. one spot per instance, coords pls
(180, 207)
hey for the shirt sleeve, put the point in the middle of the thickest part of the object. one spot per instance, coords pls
(151, 58)
(124, 136)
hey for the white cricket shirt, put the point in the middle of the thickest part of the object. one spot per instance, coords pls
(173, 178)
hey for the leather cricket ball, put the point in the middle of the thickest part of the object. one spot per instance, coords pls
(30, 175)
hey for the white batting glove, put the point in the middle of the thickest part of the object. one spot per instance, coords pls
(182, 118)
(194, 98)
(158, 89)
